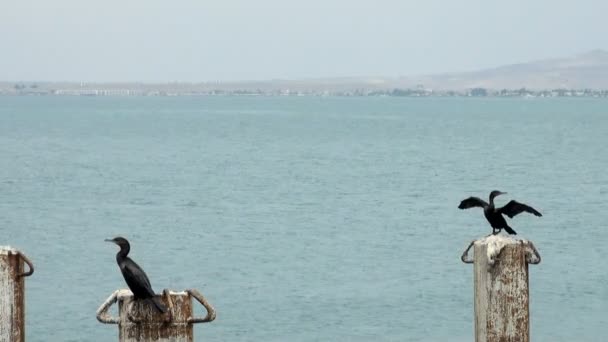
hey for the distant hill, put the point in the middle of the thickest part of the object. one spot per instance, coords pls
(585, 71)
(589, 70)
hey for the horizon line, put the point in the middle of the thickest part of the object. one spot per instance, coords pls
(595, 51)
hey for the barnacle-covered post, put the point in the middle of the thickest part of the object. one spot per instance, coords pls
(501, 288)
(139, 321)
(12, 294)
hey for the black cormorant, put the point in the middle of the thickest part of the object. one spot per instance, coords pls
(134, 276)
(494, 215)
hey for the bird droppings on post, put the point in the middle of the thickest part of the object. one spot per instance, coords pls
(495, 244)
(5, 250)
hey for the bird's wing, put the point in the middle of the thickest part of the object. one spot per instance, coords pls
(472, 202)
(136, 279)
(513, 208)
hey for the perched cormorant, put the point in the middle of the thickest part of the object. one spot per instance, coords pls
(494, 215)
(134, 276)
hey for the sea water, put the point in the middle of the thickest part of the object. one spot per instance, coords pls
(304, 218)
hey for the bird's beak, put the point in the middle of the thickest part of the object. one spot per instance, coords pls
(503, 193)
(108, 240)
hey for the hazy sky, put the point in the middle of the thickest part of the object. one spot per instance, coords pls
(208, 40)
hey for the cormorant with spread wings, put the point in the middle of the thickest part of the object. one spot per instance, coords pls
(494, 215)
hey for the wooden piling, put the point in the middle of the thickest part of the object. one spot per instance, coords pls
(501, 288)
(12, 294)
(139, 321)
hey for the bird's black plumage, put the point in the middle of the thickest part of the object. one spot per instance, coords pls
(494, 215)
(136, 278)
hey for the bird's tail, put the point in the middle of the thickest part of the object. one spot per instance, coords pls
(510, 230)
(158, 304)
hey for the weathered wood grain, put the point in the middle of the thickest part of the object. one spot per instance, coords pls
(12, 296)
(501, 290)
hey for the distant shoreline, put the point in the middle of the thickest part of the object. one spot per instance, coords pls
(583, 75)
(92, 90)
(314, 95)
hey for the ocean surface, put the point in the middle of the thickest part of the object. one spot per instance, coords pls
(304, 218)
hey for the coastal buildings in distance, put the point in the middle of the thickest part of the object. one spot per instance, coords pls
(582, 75)
(185, 89)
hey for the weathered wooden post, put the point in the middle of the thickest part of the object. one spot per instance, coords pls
(139, 321)
(501, 288)
(12, 294)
